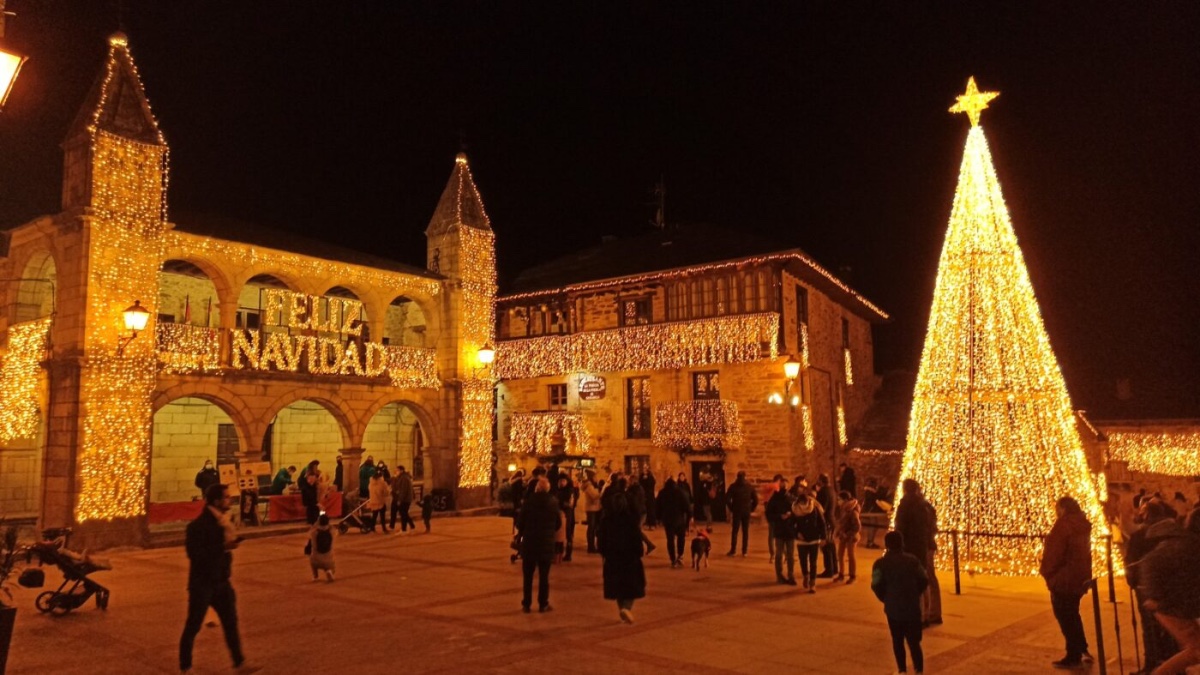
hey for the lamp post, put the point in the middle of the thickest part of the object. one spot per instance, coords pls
(10, 62)
(136, 317)
(791, 373)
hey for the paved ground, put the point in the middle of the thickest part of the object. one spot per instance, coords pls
(449, 601)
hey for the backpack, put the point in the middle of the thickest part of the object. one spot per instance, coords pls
(324, 541)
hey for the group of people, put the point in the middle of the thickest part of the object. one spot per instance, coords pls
(382, 491)
(1160, 540)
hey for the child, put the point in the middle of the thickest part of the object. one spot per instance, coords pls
(320, 541)
(427, 510)
(898, 580)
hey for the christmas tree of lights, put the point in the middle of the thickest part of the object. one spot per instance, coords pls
(992, 438)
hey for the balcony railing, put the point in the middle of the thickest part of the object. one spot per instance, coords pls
(681, 344)
(697, 425)
(183, 348)
(548, 433)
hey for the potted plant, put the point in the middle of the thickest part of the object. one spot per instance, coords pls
(10, 564)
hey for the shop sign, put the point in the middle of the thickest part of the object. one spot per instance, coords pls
(591, 387)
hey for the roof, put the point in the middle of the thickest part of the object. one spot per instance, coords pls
(460, 203)
(117, 101)
(232, 229)
(670, 251)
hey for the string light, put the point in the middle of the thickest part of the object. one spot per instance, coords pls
(992, 438)
(841, 425)
(664, 346)
(807, 420)
(475, 458)
(184, 349)
(804, 344)
(413, 367)
(20, 368)
(1169, 453)
(535, 433)
(846, 363)
(874, 452)
(697, 425)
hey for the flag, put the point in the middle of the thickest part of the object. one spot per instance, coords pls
(187, 309)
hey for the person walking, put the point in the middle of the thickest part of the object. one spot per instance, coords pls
(518, 495)
(378, 497)
(427, 511)
(208, 543)
(847, 480)
(206, 476)
(779, 515)
(637, 500)
(540, 518)
(846, 533)
(705, 493)
(339, 474)
(589, 494)
(685, 489)
(768, 490)
(320, 548)
(812, 533)
(742, 502)
(917, 521)
(402, 497)
(898, 579)
(673, 513)
(825, 496)
(1067, 568)
(567, 496)
(620, 544)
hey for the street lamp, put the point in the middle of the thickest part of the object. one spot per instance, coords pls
(136, 317)
(10, 63)
(486, 355)
(791, 373)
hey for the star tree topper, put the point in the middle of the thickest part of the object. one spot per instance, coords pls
(973, 101)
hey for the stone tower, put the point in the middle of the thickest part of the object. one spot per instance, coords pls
(114, 214)
(461, 246)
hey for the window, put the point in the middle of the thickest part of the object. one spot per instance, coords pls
(749, 293)
(801, 304)
(636, 464)
(637, 407)
(557, 396)
(707, 301)
(845, 334)
(723, 296)
(706, 385)
(635, 312)
(227, 444)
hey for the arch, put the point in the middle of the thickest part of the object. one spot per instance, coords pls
(226, 400)
(186, 433)
(330, 400)
(406, 323)
(427, 419)
(192, 290)
(398, 443)
(36, 288)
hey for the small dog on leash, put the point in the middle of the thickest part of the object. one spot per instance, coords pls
(700, 548)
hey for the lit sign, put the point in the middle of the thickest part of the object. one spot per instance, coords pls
(591, 387)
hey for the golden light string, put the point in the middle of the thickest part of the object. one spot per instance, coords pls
(20, 368)
(697, 425)
(1170, 453)
(534, 433)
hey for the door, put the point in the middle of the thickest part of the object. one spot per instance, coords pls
(715, 472)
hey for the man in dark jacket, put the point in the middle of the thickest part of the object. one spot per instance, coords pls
(917, 521)
(779, 515)
(742, 502)
(1067, 567)
(308, 485)
(847, 480)
(826, 498)
(648, 489)
(899, 581)
(673, 512)
(1157, 527)
(402, 498)
(206, 476)
(208, 545)
(567, 494)
(539, 520)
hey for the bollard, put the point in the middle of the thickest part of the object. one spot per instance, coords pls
(1100, 659)
(957, 580)
(1112, 582)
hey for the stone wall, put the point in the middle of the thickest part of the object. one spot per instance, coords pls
(184, 437)
(305, 431)
(391, 437)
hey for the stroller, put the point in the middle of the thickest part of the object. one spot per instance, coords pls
(76, 587)
(359, 517)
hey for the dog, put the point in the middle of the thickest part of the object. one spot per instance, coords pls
(700, 548)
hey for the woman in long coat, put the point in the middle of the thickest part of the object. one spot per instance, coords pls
(620, 543)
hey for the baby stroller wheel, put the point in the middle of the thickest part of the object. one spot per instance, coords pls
(343, 528)
(102, 600)
(43, 601)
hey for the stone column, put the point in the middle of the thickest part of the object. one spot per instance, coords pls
(351, 461)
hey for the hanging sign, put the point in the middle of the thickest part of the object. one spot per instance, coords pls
(591, 387)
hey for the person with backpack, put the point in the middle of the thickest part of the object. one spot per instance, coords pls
(320, 548)
(808, 519)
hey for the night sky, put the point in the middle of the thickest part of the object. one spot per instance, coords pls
(820, 125)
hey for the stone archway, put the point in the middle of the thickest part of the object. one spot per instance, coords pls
(187, 431)
(396, 434)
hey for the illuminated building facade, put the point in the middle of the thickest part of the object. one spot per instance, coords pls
(260, 346)
(664, 350)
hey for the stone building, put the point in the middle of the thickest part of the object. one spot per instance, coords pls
(259, 347)
(665, 350)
